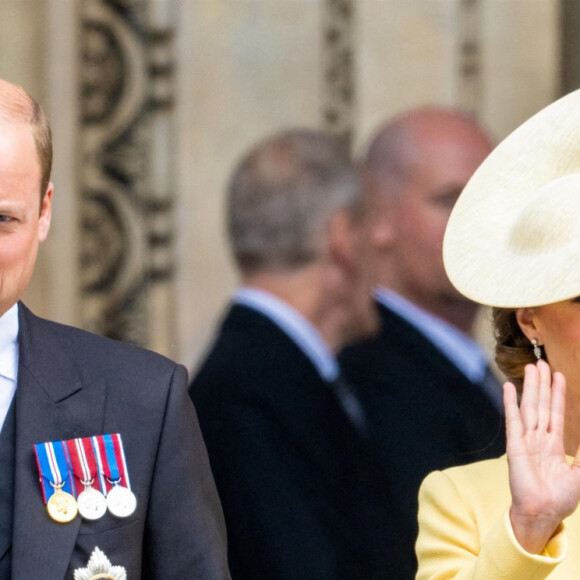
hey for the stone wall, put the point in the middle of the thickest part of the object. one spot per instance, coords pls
(241, 69)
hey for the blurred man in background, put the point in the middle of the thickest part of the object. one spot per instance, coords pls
(424, 382)
(303, 494)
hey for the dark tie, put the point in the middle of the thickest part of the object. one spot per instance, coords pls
(350, 403)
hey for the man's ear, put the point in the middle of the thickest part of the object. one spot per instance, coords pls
(381, 215)
(341, 240)
(45, 213)
(526, 320)
(382, 231)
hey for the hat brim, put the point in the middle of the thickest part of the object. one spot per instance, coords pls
(520, 176)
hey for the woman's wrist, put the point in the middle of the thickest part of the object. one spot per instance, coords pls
(533, 532)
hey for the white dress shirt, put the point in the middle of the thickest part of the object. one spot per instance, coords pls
(8, 360)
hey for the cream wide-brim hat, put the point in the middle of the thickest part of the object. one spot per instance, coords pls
(513, 237)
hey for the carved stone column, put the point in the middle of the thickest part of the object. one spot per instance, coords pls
(570, 45)
(469, 77)
(127, 188)
(339, 75)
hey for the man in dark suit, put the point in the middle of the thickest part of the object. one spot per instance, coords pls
(424, 382)
(303, 496)
(57, 384)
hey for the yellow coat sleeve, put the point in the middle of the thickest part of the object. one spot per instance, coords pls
(465, 531)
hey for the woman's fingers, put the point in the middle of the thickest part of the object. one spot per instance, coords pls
(576, 462)
(513, 421)
(530, 397)
(541, 408)
(558, 405)
(544, 395)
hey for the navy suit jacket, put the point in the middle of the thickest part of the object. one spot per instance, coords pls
(75, 384)
(425, 413)
(303, 494)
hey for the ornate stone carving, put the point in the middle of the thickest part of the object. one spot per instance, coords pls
(126, 183)
(469, 81)
(338, 59)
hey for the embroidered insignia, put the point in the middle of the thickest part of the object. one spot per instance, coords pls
(100, 568)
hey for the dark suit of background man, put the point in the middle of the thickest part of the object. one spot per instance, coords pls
(302, 496)
(58, 383)
(423, 380)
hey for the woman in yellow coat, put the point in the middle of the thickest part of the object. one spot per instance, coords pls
(513, 242)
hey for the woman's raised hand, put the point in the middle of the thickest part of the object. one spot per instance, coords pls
(544, 488)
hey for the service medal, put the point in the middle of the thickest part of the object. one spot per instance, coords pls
(92, 504)
(62, 507)
(91, 501)
(55, 479)
(121, 501)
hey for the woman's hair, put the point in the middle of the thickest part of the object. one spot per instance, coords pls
(513, 350)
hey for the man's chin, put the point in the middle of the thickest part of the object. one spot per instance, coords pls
(454, 298)
(366, 325)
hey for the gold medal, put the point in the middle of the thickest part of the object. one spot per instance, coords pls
(62, 506)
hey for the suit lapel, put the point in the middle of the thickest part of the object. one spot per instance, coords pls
(51, 404)
(422, 347)
(7, 442)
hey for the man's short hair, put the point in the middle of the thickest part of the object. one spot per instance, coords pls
(282, 196)
(17, 106)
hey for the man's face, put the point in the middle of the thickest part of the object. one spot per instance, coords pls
(444, 165)
(364, 320)
(24, 220)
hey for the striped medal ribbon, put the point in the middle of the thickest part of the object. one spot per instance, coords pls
(91, 502)
(56, 480)
(121, 501)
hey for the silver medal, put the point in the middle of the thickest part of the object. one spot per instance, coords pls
(121, 501)
(92, 504)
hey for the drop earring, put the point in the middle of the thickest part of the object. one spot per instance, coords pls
(537, 349)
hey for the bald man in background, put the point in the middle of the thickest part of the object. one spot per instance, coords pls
(425, 383)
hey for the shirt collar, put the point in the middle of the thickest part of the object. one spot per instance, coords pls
(465, 353)
(294, 325)
(9, 343)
